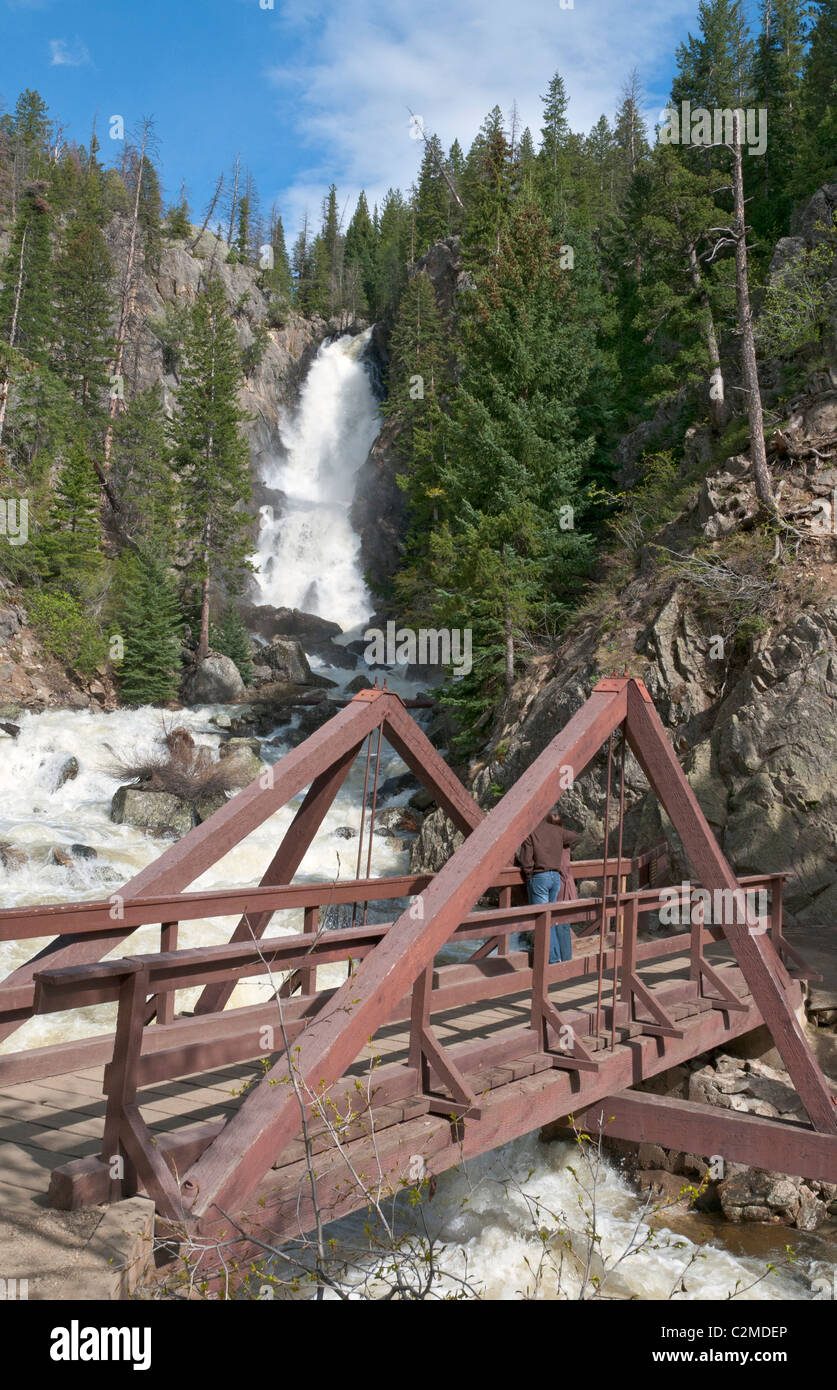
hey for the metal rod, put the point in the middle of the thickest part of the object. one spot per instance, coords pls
(372, 813)
(618, 900)
(362, 819)
(604, 886)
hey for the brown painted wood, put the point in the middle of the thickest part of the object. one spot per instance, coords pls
(210, 841)
(285, 863)
(705, 1130)
(233, 1165)
(756, 954)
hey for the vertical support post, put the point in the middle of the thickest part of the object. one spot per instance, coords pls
(419, 1025)
(630, 919)
(164, 1000)
(307, 975)
(776, 888)
(120, 1080)
(696, 941)
(541, 926)
(504, 900)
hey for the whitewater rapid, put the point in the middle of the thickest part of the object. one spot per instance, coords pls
(308, 555)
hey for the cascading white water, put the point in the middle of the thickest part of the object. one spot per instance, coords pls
(309, 556)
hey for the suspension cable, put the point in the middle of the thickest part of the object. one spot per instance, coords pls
(618, 897)
(372, 813)
(602, 928)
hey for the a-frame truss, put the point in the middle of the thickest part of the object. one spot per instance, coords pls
(230, 1168)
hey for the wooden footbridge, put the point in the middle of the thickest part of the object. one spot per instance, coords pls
(226, 1115)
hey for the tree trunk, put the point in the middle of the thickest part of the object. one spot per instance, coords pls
(509, 657)
(203, 641)
(717, 405)
(125, 306)
(4, 389)
(749, 363)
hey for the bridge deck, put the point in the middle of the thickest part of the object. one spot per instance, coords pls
(45, 1124)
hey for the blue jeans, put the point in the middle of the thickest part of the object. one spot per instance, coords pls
(544, 888)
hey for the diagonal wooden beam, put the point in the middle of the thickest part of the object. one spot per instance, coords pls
(210, 841)
(284, 864)
(228, 1171)
(414, 747)
(754, 950)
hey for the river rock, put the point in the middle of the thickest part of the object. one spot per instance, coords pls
(287, 661)
(67, 772)
(216, 681)
(12, 730)
(241, 757)
(61, 857)
(12, 859)
(345, 832)
(206, 806)
(221, 720)
(271, 622)
(359, 682)
(160, 813)
(83, 852)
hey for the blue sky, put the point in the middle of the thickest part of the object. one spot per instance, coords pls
(311, 91)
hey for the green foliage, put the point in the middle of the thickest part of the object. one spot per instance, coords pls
(66, 630)
(85, 306)
(230, 637)
(149, 621)
(799, 299)
(68, 543)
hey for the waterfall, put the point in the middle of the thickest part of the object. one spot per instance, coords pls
(308, 555)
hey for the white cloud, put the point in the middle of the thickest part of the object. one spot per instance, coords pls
(68, 55)
(357, 67)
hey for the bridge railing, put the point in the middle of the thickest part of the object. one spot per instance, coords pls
(139, 1056)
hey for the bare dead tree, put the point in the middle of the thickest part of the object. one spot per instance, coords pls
(439, 165)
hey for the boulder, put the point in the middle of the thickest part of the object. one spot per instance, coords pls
(241, 757)
(287, 661)
(214, 682)
(67, 772)
(159, 813)
(206, 806)
(357, 683)
(61, 857)
(83, 852)
(8, 728)
(270, 622)
(345, 832)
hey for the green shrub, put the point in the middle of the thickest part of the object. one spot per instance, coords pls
(66, 631)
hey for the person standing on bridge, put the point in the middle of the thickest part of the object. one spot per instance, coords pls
(544, 858)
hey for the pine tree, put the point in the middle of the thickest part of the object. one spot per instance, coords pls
(179, 219)
(230, 637)
(393, 250)
(278, 279)
(777, 80)
(819, 101)
(68, 544)
(418, 379)
(361, 255)
(487, 185)
(210, 453)
(553, 156)
(149, 621)
(85, 308)
(142, 475)
(432, 198)
(301, 263)
(26, 314)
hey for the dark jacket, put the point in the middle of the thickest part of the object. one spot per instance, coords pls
(545, 848)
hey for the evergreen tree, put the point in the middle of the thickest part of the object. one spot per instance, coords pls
(432, 198)
(230, 637)
(179, 218)
(278, 279)
(361, 254)
(85, 308)
(778, 70)
(210, 453)
(487, 183)
(417, 383)
(819, 101)
(142, 476)
(455, 169)
(393, 251)
(68, 545)
(553, 156)
(150, 623)
(26, 313)
(302, 268)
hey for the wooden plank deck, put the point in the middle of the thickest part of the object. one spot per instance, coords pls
(44, 1124)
